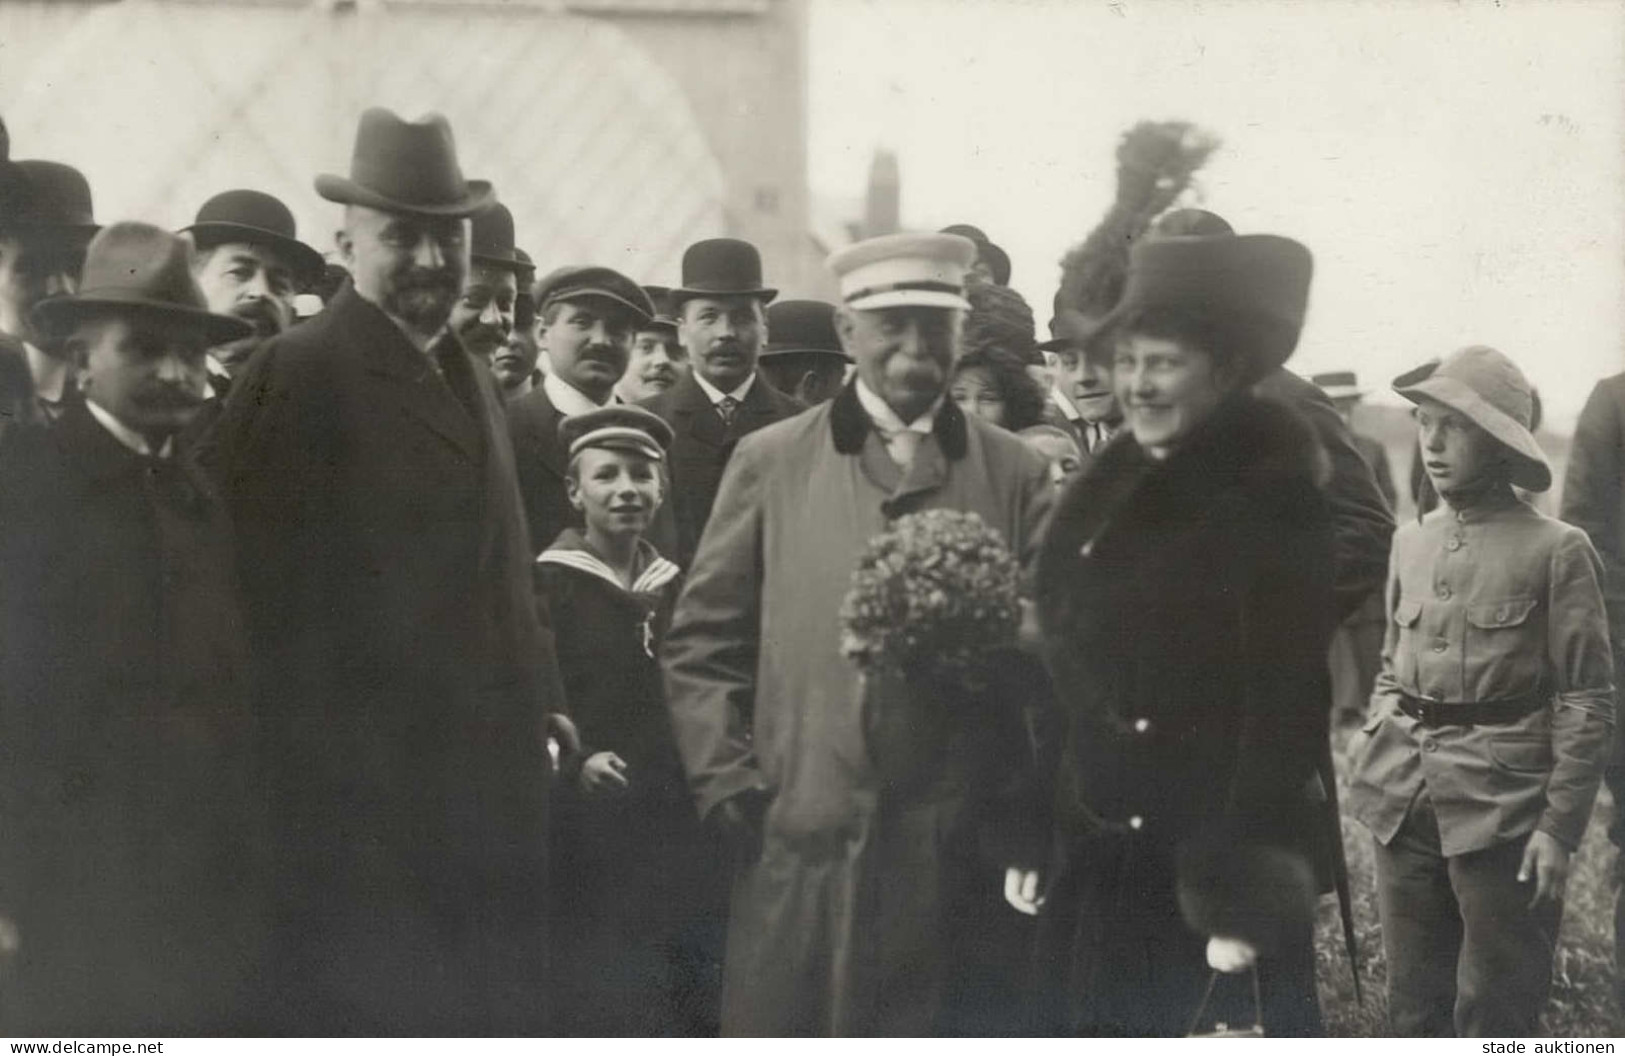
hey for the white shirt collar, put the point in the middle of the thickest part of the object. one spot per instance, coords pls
(715, 394)
(886, 419)
(127, 436)
(50, 374)
(567, 399)
(1068, 409)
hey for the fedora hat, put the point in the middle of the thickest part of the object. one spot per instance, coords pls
(135, 267)
(258, 219)
(722, 267)
(47, 197)
(1488, 388)
(1259, 282)
(998, 261)
(406, 167)
(492, 240)
(802, 326)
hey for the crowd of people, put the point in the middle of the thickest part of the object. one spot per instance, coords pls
(408, 643)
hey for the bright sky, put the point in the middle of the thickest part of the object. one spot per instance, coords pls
(1458, 169)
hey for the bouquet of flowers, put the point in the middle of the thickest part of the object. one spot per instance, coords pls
(931, 598)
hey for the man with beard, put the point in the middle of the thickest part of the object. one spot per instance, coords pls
(404, 674)
(587, 316)
(130, 839)
(856, 846)
(249, 264)
(483, 317)
(658, 360)
(45, 225)
(721, 321)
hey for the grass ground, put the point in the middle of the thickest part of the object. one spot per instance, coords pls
(1581, 1004)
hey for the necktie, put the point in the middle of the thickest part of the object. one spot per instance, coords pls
(727, 407)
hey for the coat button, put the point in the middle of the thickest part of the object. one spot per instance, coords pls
(1443, 592)
(1430, 745)
(1440, 645)
(1142, 725)
(1454, 544)
(1136, 822)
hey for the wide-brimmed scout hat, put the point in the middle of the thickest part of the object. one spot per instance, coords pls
(491, 241)
(592, 281)
(722, 267)
(1257, 282)
(802, 327)
(1489, 389)
(904, 270)
(406, 167)
(256, 218)
(141, 269)
(618, 427)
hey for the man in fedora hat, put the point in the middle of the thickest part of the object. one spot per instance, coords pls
(1491, 720)
(658, 361)
(1594, 500)
(770, 718)
(46, 222)
(483, 316)
(250, 264)
(585, 320)
(721, 322)
(803, 356)
(405, 675)
(132, 848)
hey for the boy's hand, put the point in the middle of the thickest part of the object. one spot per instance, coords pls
(603, 773)
(1547, 862)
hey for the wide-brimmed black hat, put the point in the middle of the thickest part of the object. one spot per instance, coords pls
(574, 281)
(406, 167)
(48, 197)
(1256, 281)
(722, 267)
(256, 218)
(492, 240)
(139, 268)
(998, 261)
(802, 326)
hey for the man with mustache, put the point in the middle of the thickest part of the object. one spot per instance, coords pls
(722, 323)
(250, 264)
(130, 844)
(483, 317)
(586, 318)
(658, 360)
(514, 364)
(45, 225)
(405, 676)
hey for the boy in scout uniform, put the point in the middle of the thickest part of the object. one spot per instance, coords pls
(1491, 717)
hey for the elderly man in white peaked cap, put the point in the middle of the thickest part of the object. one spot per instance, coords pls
(843, 920)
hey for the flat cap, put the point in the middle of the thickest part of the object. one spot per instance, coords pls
(572, 282)
(618, 427)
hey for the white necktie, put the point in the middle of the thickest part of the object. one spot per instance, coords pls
(901, 444)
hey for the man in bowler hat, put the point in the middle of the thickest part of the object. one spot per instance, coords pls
(585, 320)
(722, 323)
(131, 842)
(405, 675)
(803, 356)
(483, 316)
(250, 264)
(45, 224)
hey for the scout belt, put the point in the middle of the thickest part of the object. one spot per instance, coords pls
(1485, 713)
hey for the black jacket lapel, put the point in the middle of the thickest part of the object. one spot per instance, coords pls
(409, 377)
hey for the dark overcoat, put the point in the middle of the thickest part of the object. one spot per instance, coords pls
(1186, 606)
(699, 451)
(844, 924)
(542, 461)
(404, 677)
(130, 814)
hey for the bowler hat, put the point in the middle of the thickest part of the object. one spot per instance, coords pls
(802, 326)
(1191, 222)
(664, 317)
(722, 267)
(258, 219)
(527, 266)
(618, 427)
(48, 197)
(492, 240)
(406, 167)
(1339, 384)
(138, 268)
(1488, 388)
(998, 261)
(573, 282)
(1259, 282)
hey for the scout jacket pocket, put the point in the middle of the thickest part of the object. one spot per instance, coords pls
(1531, 755)
(1503, 647)
(1496, 615)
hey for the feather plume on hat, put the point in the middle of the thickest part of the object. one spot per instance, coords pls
(1155, 163)
(998, 317)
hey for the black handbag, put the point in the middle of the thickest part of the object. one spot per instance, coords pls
(1225, 1030)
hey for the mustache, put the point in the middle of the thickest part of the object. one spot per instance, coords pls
(427, 279)
(165, 397)
(602, 353)
(263, 316)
